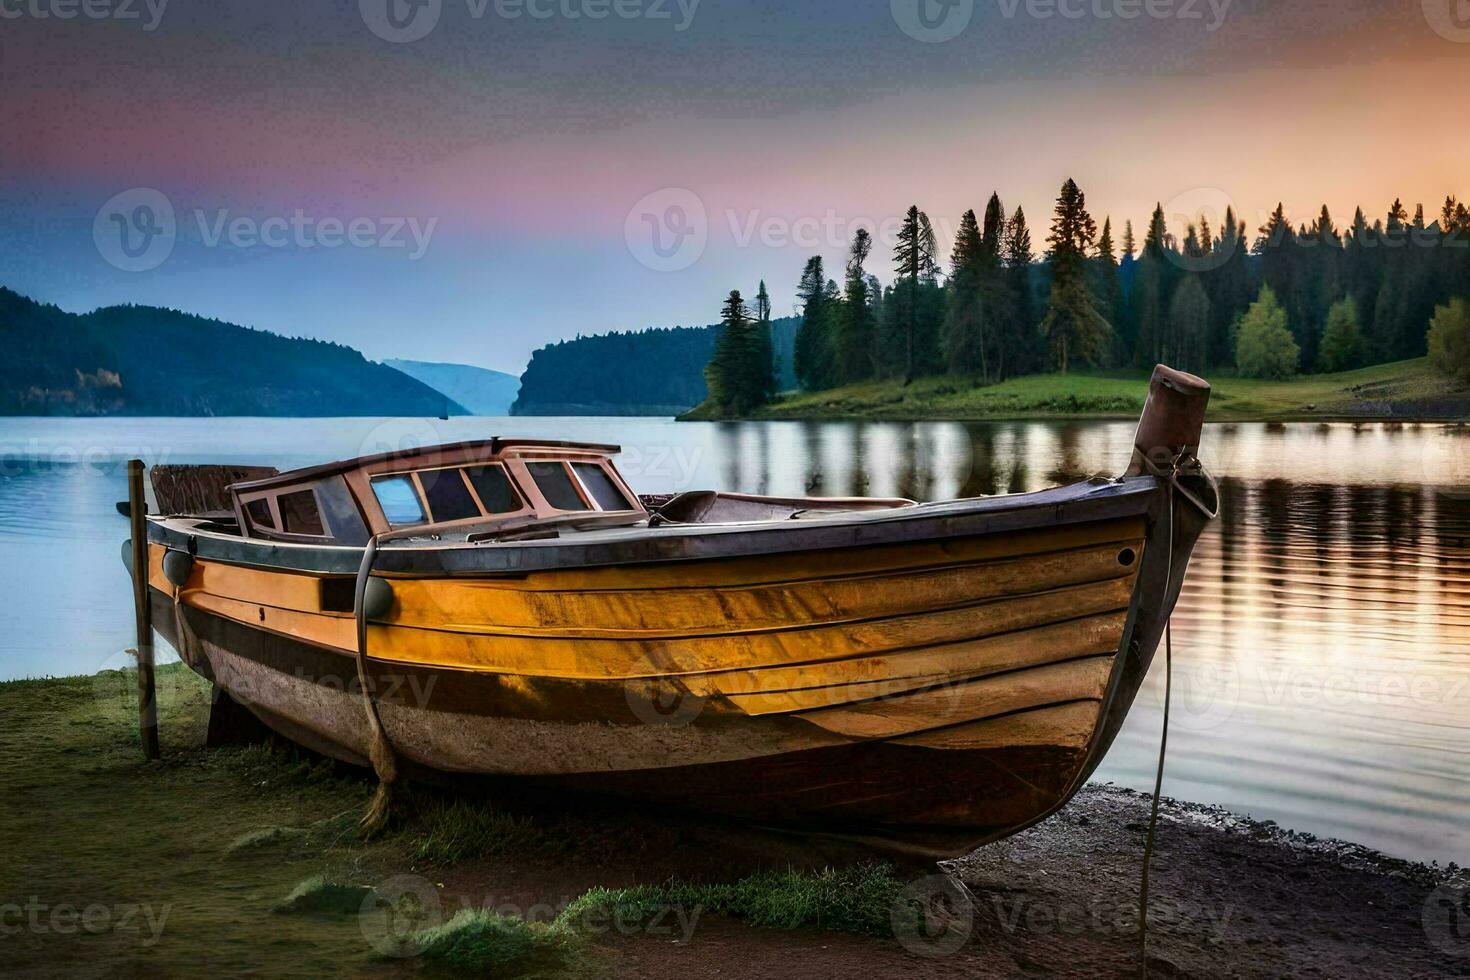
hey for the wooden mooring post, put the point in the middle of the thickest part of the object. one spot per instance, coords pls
(143, 611)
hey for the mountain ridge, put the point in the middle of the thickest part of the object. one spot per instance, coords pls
(145, 360)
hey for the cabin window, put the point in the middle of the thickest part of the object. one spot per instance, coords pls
(300, 514)
(448, 495)
(601, 487)
(555, 484)
(399, 500)
(495, 489)
(259, 512)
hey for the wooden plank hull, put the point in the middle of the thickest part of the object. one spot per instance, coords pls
(926, 695)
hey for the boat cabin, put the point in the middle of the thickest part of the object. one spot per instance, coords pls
(473, 490)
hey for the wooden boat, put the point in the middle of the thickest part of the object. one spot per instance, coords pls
(920, 677)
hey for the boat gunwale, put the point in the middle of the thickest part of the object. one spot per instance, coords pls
(1078, 503)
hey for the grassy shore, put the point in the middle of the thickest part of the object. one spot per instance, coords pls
(231, 860)
(223, 862)
(1404, 390)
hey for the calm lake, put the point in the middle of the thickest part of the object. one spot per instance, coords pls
(1322, 645)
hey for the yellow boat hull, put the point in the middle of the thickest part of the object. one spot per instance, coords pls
(930, 695)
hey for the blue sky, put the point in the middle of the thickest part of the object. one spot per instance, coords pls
(498, 182)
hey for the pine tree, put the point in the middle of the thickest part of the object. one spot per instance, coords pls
(965, 341)
(764, 367)
(815, 348)
(1017, 352)
(1189, 320)
(1361, 276)
(1072, 325)
(915, 262)
(1152, 286)
(854, 346)
(1129, 248)
(732, 374)
(1110, 288)
(993, 233)
(1229, 288)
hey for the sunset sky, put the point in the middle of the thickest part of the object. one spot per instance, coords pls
(505, 171)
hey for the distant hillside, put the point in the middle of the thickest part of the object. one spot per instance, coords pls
(141, 360)
(649, 372)
(480, 390)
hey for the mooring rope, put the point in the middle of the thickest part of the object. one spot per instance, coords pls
(380, 749)
(185, 632)
(1171, 479)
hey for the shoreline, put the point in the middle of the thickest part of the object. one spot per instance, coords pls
(1407, 392)
(221, 837)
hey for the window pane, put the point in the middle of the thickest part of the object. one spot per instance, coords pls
(259, 512)
(495, 489)
(601, 486)
(449, 498)
(399, 500)
(556, 485)
(299, 513)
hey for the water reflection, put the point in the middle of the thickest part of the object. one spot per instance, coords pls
(1322, 639)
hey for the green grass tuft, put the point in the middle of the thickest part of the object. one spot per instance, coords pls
(860, 900)
(480, 940)
(448, 831)
(318, 896)
(268, 838)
